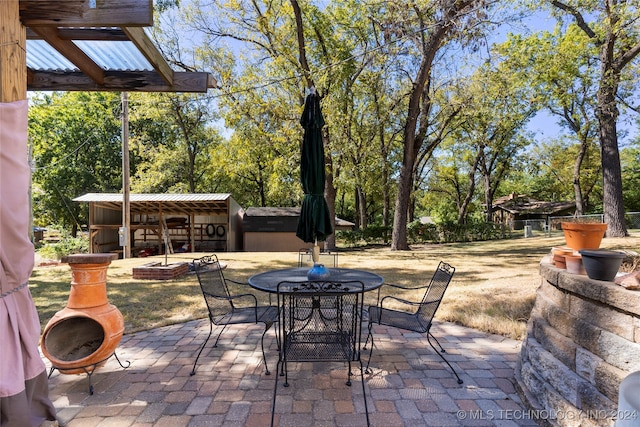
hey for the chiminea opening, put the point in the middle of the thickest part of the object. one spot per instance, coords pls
(74, 339)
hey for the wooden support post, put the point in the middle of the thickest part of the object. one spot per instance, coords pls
(13, 53)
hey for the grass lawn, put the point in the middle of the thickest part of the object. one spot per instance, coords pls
(493, 289)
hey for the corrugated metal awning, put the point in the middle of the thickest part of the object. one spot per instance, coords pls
(99, 46)
(168, 204)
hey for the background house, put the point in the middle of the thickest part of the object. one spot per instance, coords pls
(518, 210)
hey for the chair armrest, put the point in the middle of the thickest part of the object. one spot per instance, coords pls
(243, 296)
(400, 300)
(246, 285)
(395, 285)
(235, 282)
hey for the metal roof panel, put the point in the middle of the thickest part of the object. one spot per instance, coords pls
(41, 56)
(115, 56)
(146, 197)
(109, 55)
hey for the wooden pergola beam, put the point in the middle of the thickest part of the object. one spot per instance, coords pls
(118, 81)
(148, 49)
(80, 13)
(94, 34)
(61, 22)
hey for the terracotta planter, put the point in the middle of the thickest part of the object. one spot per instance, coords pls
(83, 335)
(559, 254)
(601, 264)
(559, 261)
(583, 235)
(574, 265)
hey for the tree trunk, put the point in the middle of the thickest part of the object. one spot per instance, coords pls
(399, 233)
(488, 197)
(362, 202)
(462, 212)
(612, 200)
(612, 62)
(577, 188)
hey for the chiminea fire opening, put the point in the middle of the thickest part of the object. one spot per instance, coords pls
(74, 339)
(83, 335)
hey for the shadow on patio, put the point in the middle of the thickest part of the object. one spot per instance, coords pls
(409, 385)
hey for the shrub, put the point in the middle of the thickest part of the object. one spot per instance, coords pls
(66, 246)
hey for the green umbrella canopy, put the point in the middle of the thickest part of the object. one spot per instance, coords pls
(315, 221)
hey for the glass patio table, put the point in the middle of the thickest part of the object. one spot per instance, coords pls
(268, 281)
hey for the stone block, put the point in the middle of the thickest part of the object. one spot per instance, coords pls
(554, 295)
(595, 406)
(585, 335)
(636, 329)
(603, 317)
(619, 352)
(608, 293)
(607, 379)
(532, 385)
(553, 372)
(587, 364)
(561, 347)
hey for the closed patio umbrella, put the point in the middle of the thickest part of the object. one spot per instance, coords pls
(315, 220)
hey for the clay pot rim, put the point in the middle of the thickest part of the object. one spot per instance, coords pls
(603, 253)
(583, 225)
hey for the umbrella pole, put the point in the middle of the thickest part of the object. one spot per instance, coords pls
(315, 252)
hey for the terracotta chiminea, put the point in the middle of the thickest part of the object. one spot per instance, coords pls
(83, 335)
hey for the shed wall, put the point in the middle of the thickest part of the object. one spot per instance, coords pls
(272, 242)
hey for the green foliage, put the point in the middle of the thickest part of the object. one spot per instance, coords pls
(66, 246)
(419, 233)
(75, 140)
(370, 235)
(449, 232)
(630, 159)
(172, 141)
(350, 238)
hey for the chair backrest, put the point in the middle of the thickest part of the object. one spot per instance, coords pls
(321, 320)
(214, 287)
(434, 293)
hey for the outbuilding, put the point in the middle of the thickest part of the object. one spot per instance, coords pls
(198, 222)
(273, 229)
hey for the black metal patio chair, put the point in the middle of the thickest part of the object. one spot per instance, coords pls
(329, 257)
(320, 322)
(226, 308)
(415, 316)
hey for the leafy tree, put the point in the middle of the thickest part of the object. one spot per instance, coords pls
(263, 86)
(76, 147)
(171, 136)
(546, 173)
(560, 66)
(614, 31)
(630, 159)
(428, 28)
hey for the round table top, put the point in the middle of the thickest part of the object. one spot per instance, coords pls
(268, 281)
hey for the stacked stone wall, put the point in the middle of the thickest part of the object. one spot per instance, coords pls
(583, 338)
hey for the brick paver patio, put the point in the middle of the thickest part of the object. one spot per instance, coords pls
(408, 385)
